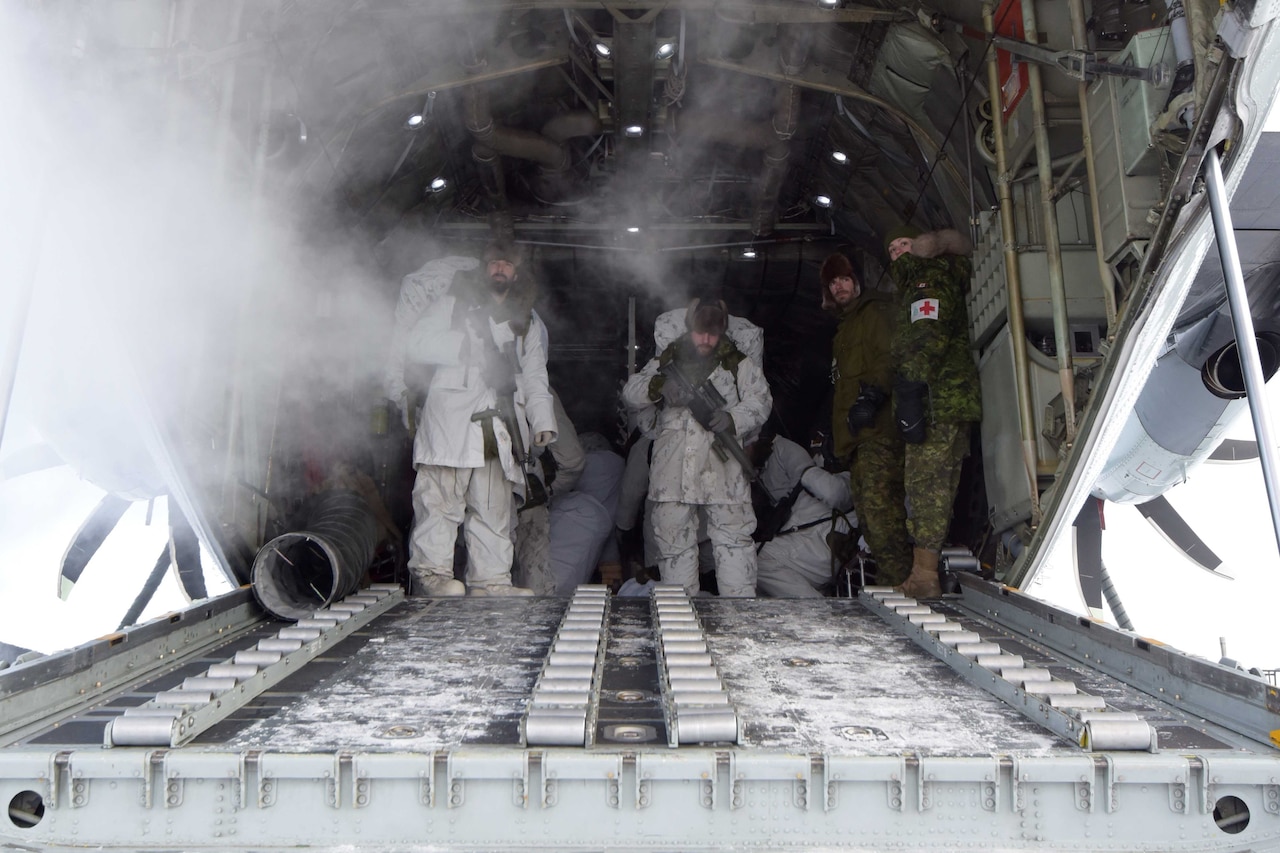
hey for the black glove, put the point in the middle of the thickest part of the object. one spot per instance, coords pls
(720, 421)
(675, 394)
(863, 411)
(909, 409)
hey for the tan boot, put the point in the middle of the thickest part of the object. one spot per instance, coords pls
(923, 581)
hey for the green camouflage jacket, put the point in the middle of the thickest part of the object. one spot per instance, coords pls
(861, 352)
(931, 344)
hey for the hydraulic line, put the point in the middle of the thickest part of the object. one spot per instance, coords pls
(1052, 242)
(1013, 278)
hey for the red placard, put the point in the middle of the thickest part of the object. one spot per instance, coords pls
(1011, 69)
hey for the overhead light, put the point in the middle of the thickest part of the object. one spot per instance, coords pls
(666, 50)
(603, 50)
(438, 185)
(633, 229)
(822, 200)
(414, 121)
(633, 131)
(840, 157)
(749, 253)
(829, 4)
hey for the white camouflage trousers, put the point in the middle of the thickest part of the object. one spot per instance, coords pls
(795, 564)
(729, 526)
(477, 498)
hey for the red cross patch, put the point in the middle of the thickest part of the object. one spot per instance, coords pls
(924, 309)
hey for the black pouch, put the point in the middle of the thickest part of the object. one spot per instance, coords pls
(910, 409)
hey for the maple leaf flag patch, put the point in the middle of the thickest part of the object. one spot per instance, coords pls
(924, 309)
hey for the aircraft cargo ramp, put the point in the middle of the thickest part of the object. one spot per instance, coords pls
(985, 720)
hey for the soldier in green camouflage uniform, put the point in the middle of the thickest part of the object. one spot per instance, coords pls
(936, 394)
(862, 370)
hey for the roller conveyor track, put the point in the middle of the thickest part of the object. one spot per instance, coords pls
(411, 733)
(1057, 703)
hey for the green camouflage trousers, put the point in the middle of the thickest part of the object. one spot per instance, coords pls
(875, 477)
(931, 475)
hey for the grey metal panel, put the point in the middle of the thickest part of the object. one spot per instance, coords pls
(697, 799)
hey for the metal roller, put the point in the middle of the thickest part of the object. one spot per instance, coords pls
(943, 627)
(927, 619)
(686, 658)
(209, 683)
(274, 644)
(697, 725)
(559, 659)
(306, 635)
(1045, 689)
(1078, 702)
(564, 685)
(879, 591)
(138, 731)
(1099, 735)
(999, 661)
(693, 684)
(678, 634)
(318, 622)
(682, 620)
(683, 647)
(691, 671)
(572, 671)
(962, 563)
(700, 697)
(580, 646)
(955, 638)
(346, 607)
(912, 609)
(548, 728)
(592, 633)
(977, 650)
(553, 699)
(699, 673)
(1027, 673)
(1106, 716)
(183, 698)
(238, 671)
(257, 657)
(331, 614)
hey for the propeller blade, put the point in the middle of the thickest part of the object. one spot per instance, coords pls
(88, 540)
(1088, 541)
(148, 590)
(1234, 450)
(186, 554)
(1172, 527)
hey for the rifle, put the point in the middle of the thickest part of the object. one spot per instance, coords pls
(705, 401)
(502, 367)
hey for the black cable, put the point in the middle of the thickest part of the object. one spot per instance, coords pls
(964, 100)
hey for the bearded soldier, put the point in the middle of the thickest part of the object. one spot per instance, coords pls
(477, 351)
(691, 474)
